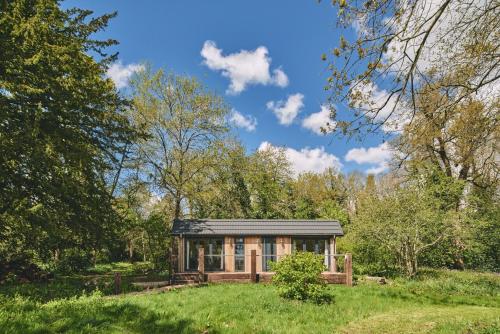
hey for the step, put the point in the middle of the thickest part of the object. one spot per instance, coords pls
(184, 281)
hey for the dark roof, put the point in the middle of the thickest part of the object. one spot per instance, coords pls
(276, 227)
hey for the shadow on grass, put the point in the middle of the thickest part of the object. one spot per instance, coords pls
(94, 316)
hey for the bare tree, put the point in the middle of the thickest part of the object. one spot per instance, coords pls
(184, 124)
(399, 45)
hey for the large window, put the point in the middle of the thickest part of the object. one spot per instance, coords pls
(268, 252)
(314, 245)
(214, 254)
(239, 254)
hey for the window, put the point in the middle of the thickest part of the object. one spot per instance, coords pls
(213, 247)
(239, 254)
(268, 252)
(315, 245)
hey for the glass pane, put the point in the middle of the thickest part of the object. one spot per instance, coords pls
(269, 252)
(192, 254)
(320, 247)
(297, 245)
(214, 248)
(239, 264)
(310, 243)
(239, 254)
(239, 247)
(217, 246)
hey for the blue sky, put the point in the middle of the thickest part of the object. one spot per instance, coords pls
(172, 35)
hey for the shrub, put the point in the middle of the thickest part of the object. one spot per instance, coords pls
(298, 276)
(74, 260)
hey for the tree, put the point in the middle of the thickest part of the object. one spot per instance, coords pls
(461, 140)
(62, 125)
(222, 192)
(268, 179)
(184, 124)
(399, 228)
(320, 195)
(400, 45)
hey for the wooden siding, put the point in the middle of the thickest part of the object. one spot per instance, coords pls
(229, 254)
(333, 250)
(253, 243)
(181, 254)
(283, 246)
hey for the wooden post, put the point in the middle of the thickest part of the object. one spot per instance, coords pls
(333, 251)
(253, 265)
(333, 264)
(348, 269)
(201, 263)
(118, 283)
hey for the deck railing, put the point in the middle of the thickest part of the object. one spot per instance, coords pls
(337, 263)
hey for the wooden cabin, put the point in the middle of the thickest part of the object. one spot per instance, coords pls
(241, 249)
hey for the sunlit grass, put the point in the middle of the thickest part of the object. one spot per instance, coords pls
(421, 306)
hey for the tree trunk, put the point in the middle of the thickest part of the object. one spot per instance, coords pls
(143, 248)
(177, 212)
(130, 251)
(458, 257)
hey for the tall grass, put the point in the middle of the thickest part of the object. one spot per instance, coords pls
(417, 306)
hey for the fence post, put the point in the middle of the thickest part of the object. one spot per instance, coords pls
(333, 264)
(118, 283)
(253, 265)
(348, 269)
(201, 264)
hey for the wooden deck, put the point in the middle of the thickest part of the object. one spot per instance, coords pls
(243, 277)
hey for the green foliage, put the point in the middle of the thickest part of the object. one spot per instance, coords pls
(185, 125)
(333, 210)
(397, 229)
(73, 260)
(298, 276)
(125, 268)
(226, 194)
(268, 179)
(157, 237)
(62, 126)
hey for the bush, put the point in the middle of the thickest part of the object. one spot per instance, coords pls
(298, 276)
(74, 260)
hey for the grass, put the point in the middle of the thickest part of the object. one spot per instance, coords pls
(436, 302)
(125, 268)
(100, 277)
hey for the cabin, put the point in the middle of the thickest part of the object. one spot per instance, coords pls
(234, 250)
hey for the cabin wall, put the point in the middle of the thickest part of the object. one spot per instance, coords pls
(181, 254)
(283, 246)
(253, 243)
(229, 254)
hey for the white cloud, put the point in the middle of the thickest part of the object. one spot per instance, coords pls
(316, 121)
(378, 157)
(243, 68)
(121, 74)
(286, 111)
(247, 122)
(307, 159)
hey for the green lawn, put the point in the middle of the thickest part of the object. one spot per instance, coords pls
(438, 302)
